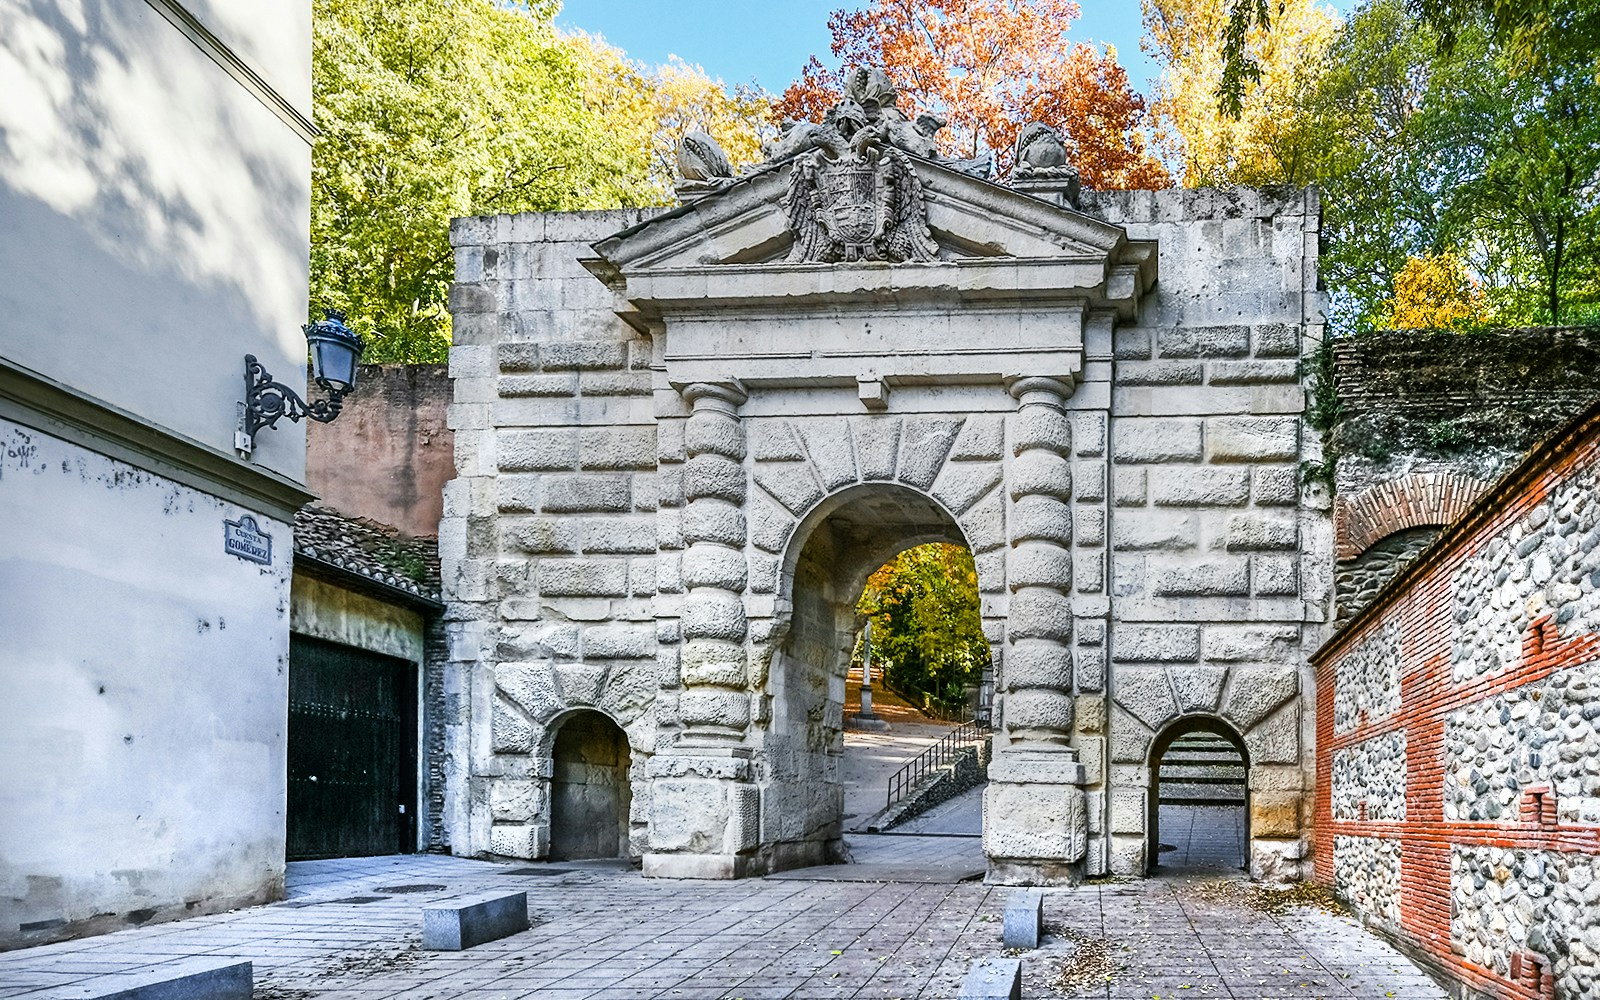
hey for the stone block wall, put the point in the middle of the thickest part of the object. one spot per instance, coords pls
(1459, 739)
(549, 536)
(685, 556)
(1219, 563)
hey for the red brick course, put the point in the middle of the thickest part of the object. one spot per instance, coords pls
(1415, 500)
(1419, 601)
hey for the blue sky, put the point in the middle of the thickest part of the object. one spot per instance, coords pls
(768, 40)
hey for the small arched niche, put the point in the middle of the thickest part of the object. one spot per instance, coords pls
(590, 794)
(1199, 800)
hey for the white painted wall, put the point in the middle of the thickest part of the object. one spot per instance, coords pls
(144, 674)
(154, 218)
(154, 215)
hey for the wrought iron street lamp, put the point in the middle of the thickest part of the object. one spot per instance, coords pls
(335, 351)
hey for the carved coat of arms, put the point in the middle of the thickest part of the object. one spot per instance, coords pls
(853, 194)
(858, 207)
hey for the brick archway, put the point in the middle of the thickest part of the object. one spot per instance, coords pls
(1415, 500)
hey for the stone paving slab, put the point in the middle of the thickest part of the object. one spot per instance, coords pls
(927, 875)
(610, 933)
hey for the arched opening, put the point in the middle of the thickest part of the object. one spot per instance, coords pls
(589, 791)
(830, 559)
(1199, 802)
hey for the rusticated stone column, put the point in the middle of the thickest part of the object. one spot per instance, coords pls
(704, 812)
(1035, 827)
(715, 704)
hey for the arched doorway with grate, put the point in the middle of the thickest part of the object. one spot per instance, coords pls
(1199, 801)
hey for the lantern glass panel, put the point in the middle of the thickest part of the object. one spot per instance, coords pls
(333, 361)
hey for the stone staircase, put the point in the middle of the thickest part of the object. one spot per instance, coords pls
(1202, 770)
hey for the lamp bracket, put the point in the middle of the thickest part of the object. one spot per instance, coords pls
(266, 401)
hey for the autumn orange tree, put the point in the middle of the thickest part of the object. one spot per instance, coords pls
(988, 67)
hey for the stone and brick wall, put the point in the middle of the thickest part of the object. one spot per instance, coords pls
(1458, 739)
(1428, 421)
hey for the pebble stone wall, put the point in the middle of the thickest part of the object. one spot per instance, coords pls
(1458, 720)
(1367, 874)
(1546, 733)
(1544, 565)
(1369, 779)
(1510, 902)
(1367, 681)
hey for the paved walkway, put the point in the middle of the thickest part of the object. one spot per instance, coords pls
(1202, 836)
(350, 929)
(871, 758)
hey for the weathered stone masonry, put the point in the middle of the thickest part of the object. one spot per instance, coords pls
(1458, 750)
(679, 457)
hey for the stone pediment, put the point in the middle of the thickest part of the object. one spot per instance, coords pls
(990, 240)
(981, 282)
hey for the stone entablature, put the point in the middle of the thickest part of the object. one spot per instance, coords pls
(681, 453)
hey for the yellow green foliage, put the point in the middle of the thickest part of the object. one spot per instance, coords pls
(433, 109)
(1263, 145)
(1435, 292)
(650, 110)
(927, 635)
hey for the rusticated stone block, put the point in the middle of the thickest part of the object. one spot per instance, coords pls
(1144, 691)
(1257, 691)
(582, 577)
(1157, 643)
(1200, 487)
(1023, 920)
(1253, 439)
(1203, 342)
(580, 354)
(1276, 487)
(580, 492)
(828, 443)
(982, 438)
(993, 979)
(1141, 439)
(923, 446)
(877, 442)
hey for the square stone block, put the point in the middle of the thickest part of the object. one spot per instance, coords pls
(188, 979)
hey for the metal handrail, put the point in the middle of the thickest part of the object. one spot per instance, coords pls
(933, 758)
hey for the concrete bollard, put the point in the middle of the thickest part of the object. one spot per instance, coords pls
(993, 979)
(464, 923)
(1024, 920)
(189, 979)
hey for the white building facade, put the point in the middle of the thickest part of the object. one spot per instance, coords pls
(154, 219)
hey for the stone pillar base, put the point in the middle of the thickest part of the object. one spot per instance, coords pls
(1035, 817)
(705, 815)
(715, 866)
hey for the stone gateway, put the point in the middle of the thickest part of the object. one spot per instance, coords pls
(684, 439)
